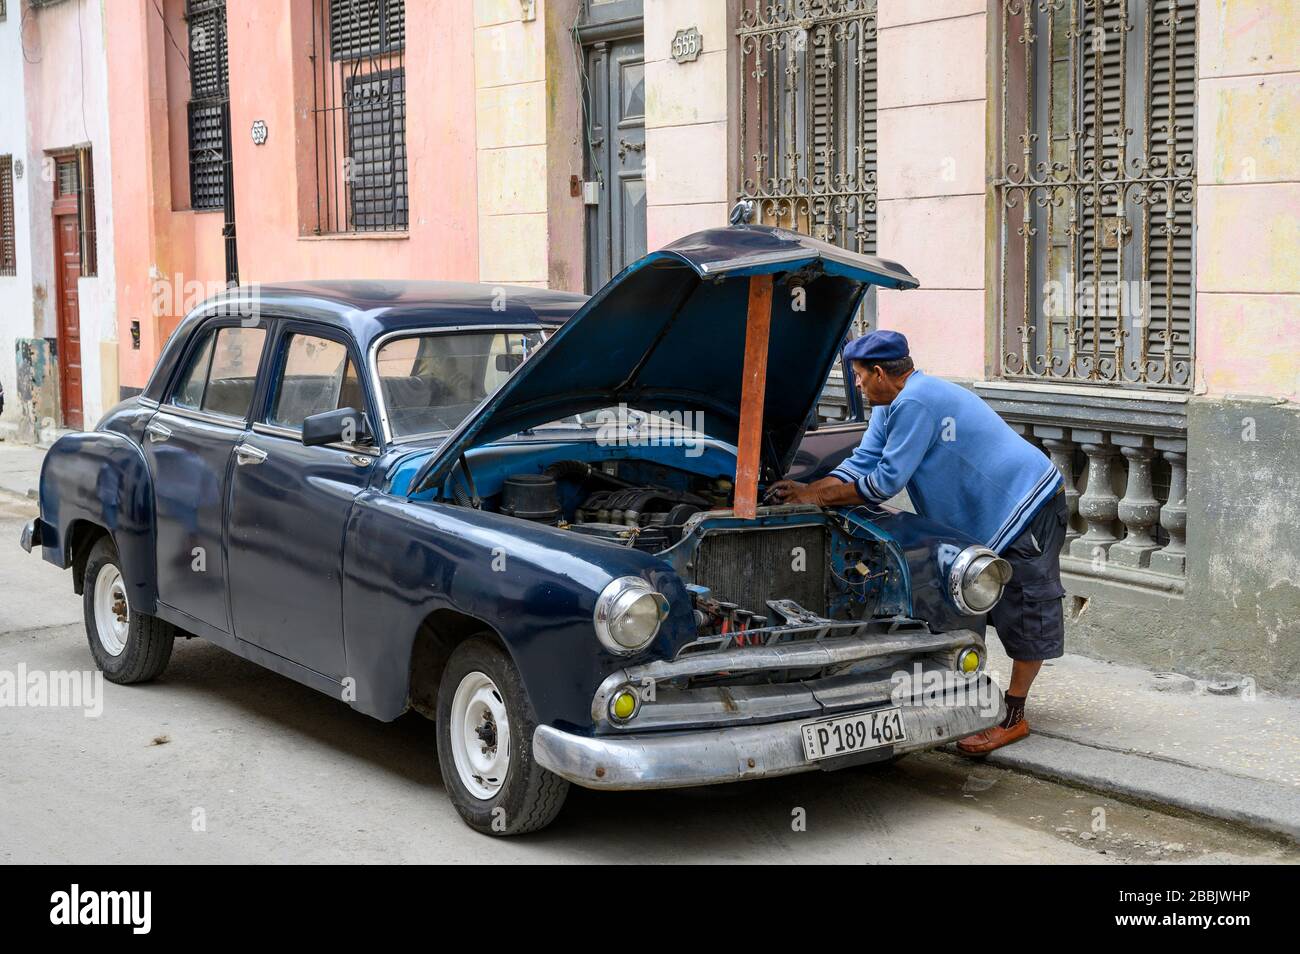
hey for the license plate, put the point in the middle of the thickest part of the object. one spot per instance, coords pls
(845, 735)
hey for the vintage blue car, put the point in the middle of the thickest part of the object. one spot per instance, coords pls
(516, 512)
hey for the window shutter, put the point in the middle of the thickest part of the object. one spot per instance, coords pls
(1146, 113)
(360, 28)
(207, 156)
(1175, 248)
(376, 128)
(209, 69)
(1100, 100)
(8, 238)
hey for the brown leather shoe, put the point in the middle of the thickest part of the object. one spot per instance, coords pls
(982, 743)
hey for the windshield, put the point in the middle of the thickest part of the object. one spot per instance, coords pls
(430, 382)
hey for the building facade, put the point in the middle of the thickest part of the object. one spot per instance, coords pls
(58, 327)
(1099, 197)
(1101, 200)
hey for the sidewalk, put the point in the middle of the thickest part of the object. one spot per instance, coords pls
(1161, 738)
(1115, 729)
(20, 468)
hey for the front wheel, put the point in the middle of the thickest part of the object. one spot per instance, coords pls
(485, 727)
(128, 646)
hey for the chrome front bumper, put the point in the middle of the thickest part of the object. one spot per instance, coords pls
(736, 753)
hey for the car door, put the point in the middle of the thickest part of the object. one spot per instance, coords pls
(290, 504)
(188, 445)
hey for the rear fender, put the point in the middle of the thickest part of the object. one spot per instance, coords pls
(101, 479)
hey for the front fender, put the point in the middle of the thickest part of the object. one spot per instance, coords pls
(102, 478)
(929, 549)
(536, 585)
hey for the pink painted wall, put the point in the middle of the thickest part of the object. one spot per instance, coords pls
(270, 79)
(931, 185)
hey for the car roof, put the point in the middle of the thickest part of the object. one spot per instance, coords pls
(368, 309)
(395, 304)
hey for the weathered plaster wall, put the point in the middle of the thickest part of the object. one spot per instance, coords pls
(1248, 198)
(565, 213)
(16, 320)
(270, 79)
(65, 75)
(1240, 614)
(931, 176)
(510, 105)
(687, 157)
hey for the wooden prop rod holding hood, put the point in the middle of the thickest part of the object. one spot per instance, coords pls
(749, 445)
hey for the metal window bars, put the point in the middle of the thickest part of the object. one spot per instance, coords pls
(86, 213)
(1096, 184)
(359, 116)
(807, 128)
(8, 224)
(209, 103)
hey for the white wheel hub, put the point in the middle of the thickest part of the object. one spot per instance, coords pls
(112, 614)
(480, 735)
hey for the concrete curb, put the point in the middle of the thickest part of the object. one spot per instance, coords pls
(1265, 806)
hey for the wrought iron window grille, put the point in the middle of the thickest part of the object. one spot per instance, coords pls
(1096, 188)
(359, 116)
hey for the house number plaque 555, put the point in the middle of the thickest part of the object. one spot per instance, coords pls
(687, 45)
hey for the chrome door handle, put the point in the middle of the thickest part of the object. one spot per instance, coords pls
(157, 432)
(248, 454)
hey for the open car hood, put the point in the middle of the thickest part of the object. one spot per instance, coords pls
(667, 335)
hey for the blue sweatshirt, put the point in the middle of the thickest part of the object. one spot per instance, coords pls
(961, 464)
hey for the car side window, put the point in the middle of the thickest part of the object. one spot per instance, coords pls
(318, 376)
(189, 393)
(231, 374)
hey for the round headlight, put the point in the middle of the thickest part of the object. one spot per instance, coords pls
(628, 614)
(976, 580)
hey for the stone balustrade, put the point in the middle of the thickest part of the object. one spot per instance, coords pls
(1122, 525)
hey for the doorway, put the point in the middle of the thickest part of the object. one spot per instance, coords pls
(614, 106)
(67, 270)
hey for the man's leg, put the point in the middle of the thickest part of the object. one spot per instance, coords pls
(1029, 622)
(1023, 672)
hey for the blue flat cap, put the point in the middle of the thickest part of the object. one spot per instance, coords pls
(877, 346)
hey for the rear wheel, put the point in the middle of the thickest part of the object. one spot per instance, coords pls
(485, 727)
(128, 646)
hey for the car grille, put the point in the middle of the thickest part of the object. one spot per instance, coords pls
(751, 566)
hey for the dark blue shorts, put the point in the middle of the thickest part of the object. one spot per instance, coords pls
(1029, 618)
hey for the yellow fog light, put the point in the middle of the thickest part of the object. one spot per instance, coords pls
(623, 706)
(969, 660)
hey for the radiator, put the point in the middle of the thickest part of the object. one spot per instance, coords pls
(751, 566)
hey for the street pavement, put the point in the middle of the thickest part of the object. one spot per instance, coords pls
(222, 761)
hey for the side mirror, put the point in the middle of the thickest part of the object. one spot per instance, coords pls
(345, 425)
(509, 362)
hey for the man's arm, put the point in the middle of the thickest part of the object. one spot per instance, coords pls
(840, 489)
(910, 433)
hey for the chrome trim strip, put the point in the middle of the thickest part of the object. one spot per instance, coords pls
(276, 430)
(203, 416)
(808, 654)
(705, 757)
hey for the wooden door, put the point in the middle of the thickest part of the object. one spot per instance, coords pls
(67, 262)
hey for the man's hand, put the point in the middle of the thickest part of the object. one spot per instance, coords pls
(792, 492)
(827, 492)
